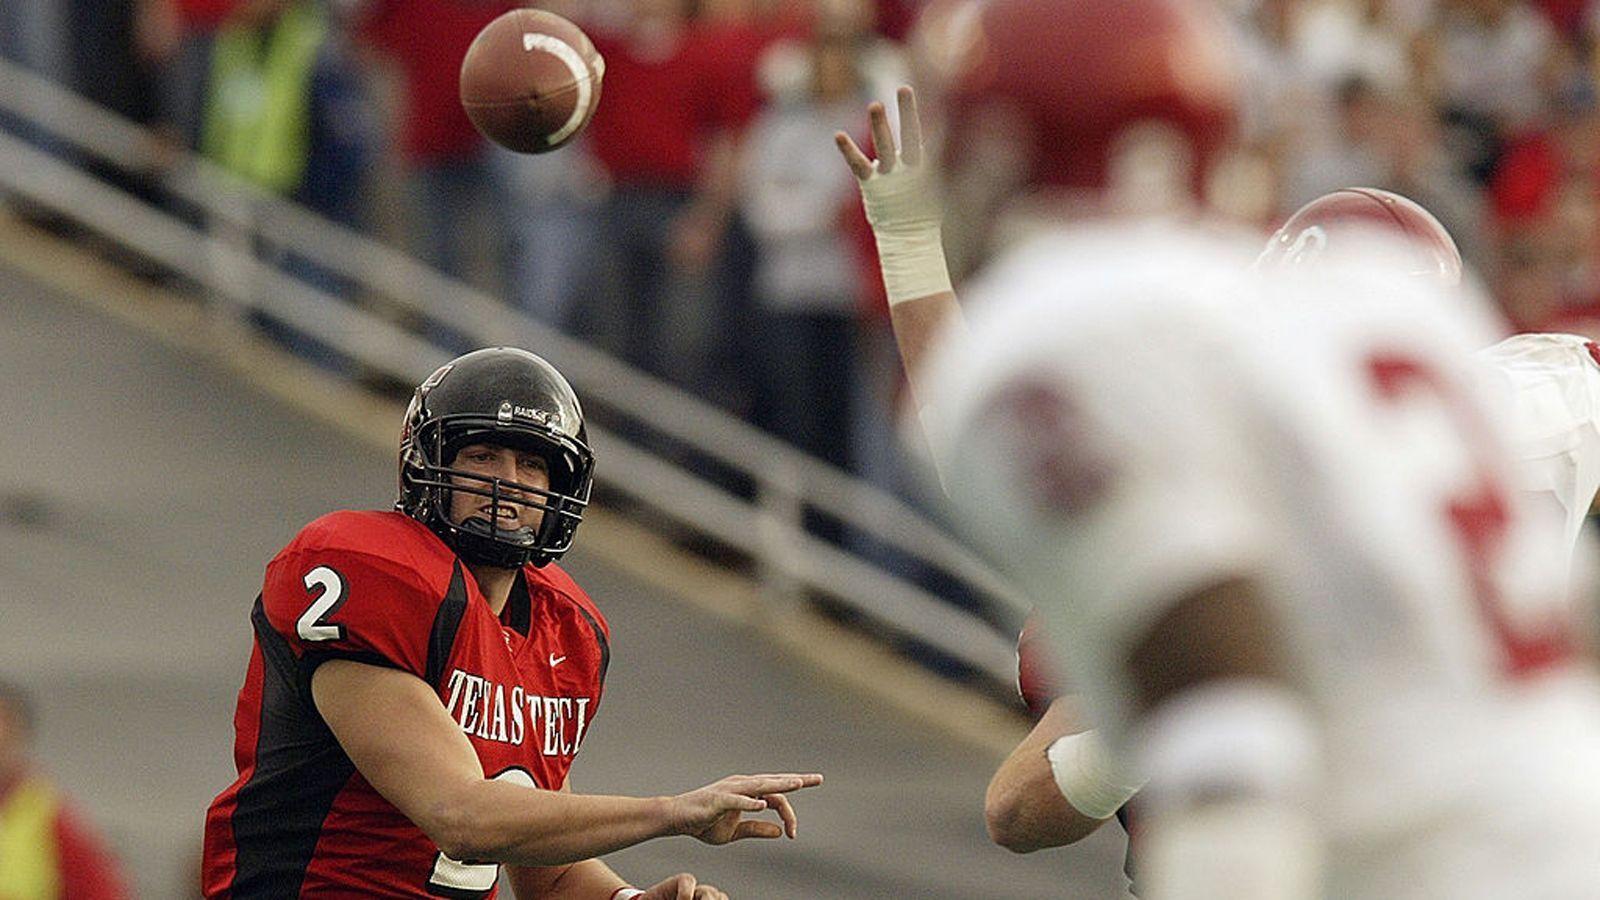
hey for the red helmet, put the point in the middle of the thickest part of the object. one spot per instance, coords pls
(1075, 80)
(1427, 246)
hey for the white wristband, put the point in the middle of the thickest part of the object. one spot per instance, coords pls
(626, 893)
(1235, 770)
(1087, 776)
(913, 265)
(1230, 851)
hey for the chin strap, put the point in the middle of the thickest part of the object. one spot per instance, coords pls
(474, 545)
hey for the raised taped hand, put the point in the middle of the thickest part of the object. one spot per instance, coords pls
(899, 190)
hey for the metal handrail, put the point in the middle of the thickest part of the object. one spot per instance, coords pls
(222, 259)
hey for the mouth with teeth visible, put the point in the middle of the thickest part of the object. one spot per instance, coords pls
(504, 511)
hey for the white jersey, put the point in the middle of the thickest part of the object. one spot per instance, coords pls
(1553, 382)
(1126, 423)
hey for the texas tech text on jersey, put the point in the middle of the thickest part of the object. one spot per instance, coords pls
(487, 710)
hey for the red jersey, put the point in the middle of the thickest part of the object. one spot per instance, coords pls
(426, 40)
(380, 588)
(657, 111)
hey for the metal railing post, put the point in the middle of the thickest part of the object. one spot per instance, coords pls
(780, 525)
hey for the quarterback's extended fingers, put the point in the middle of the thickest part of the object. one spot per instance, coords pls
(910, 126)
(744, 801)
(761, 785)
(791, 822)
(784, 783)
(882, 137)
(858, 162)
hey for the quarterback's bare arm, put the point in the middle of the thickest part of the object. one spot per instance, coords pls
(592, 879)
(395, 730)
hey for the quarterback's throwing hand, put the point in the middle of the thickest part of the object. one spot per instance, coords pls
(715, 813)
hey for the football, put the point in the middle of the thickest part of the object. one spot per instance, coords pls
(531, 80)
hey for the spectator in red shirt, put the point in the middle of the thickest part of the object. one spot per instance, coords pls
(666, 135)
(47, 848)
(1545, 199)
(446, 161)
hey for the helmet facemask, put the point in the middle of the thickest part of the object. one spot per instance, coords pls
(430, 481)
(506, 397)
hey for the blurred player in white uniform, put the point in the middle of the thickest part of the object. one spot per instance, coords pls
(1555, 382)
(1276, 545)
(1547, 384)
(1162, 480)
(1127, 130)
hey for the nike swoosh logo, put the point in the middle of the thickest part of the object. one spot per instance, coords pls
(556, 660)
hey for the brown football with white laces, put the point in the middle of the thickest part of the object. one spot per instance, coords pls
(530, 81)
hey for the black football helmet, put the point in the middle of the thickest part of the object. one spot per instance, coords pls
(509, 397)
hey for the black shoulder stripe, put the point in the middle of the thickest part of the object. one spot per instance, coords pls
(520, 614)
(299, 771)
(278, 656)
(446, 622)
(600, 640)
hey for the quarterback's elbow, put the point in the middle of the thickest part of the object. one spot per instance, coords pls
(470, 829)
(460, 832)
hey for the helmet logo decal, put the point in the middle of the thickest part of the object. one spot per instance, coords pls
(509, 412)
(434, 379)
(537, 415)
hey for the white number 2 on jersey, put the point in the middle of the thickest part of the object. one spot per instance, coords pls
(313, 624)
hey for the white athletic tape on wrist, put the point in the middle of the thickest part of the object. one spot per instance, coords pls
(905, 211)
(626, 893)
(1228, 810)
(1087, 775)
(913, 266)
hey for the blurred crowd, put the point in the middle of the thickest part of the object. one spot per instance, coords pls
(1484, 111)
(703, 227)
